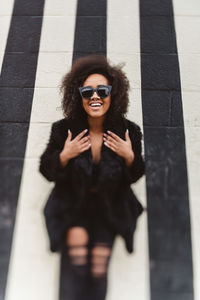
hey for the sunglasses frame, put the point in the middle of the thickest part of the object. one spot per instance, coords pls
(95, 90)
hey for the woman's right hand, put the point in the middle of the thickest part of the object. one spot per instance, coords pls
(73, 148)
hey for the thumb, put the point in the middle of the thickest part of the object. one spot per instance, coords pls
(127, 135)
(69, 135)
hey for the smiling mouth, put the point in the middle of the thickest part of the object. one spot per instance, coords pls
(96, 105)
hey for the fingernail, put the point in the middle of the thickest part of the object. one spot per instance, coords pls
(68, 131)
(86, 130)
(108, 131)
(127, 130)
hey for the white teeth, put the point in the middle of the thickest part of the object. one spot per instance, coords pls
(95, 104)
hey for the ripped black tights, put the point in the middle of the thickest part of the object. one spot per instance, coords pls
(86, 255)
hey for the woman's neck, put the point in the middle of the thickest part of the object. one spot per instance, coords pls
(96, 124)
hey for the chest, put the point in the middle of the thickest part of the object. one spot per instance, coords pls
(110, 165)
(96, 146)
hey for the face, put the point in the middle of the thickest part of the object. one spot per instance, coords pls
(94, 80)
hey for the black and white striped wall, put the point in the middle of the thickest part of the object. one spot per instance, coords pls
(159, 40)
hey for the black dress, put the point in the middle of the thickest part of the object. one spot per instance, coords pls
(91, 216)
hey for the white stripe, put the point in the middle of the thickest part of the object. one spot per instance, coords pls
(129, 273)
(34, 271)
(5, 17)
(187, 26)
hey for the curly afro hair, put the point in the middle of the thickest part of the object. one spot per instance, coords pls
(83, 67)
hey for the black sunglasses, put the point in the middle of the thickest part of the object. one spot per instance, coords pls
(103, 91)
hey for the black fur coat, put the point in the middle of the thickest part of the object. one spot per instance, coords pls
(121, 207)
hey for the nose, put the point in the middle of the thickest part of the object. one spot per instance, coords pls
(95, 95)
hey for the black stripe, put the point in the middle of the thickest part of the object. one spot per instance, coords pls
(90, 37)
(17, 82)
(171, 273)
(90, 30)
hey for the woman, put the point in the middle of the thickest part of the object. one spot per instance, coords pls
(93, 156)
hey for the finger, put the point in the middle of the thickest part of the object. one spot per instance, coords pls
(80, 135)
(110, 139)
(110, 146)
(85, 144)
(85, 147)
(85, 139)
(116, 137)
(127, 135)
(69, 135)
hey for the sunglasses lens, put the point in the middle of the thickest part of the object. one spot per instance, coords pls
(103, 92)
(87, 93)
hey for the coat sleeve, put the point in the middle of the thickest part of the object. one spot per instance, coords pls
(137, 168)
(50, 166)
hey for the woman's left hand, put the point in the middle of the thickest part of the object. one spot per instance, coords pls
(121, 147)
